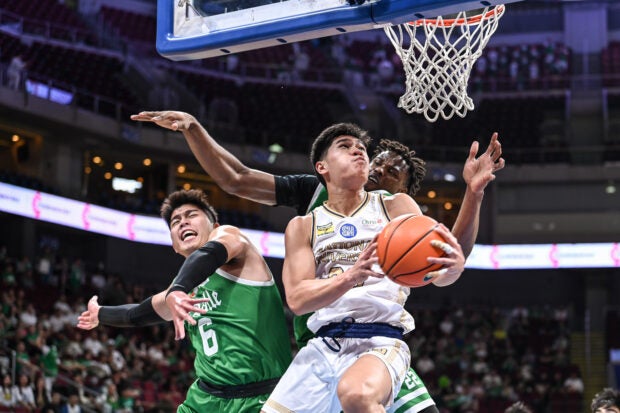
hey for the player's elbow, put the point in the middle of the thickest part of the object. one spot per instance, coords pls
(232, 185)
(295, 305)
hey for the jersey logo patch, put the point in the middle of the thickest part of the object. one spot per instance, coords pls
(371, 222)
(348, 231)
(324, 229)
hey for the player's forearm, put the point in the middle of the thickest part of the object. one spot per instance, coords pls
(465, 227)
(220, 164)
(130, 315)
(228, 172)
(311, 295)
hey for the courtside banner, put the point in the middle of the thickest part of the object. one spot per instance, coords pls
(148, 229)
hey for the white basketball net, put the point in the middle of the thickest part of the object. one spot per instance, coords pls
(438, 67)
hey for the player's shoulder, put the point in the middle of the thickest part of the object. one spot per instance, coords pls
(226, 229)
(299, 223)
(400, 203)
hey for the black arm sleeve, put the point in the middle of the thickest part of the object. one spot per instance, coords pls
(130, 315)
(200, 264)
(295, 191)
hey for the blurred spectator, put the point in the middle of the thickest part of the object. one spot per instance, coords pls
(518, 407)
(40, 393)
(15, 71)
(8, 279)
(28, 317)
(50, 362)
(424, 364)
(23, 265)
(44, 266)
(573, 383)
(9, 396)
(54, 405)
(26, 393)
(72, 405)
(23, 364)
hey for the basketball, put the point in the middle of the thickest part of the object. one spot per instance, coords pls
(403, 247)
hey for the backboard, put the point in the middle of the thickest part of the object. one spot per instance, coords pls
(198, 29)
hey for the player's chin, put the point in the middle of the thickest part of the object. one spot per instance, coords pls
(372, 186)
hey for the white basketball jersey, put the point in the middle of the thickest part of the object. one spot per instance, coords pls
(337, 242)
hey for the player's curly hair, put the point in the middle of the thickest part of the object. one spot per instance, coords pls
(606, 399)
(193, 196)
(325, 138)
(417, 166)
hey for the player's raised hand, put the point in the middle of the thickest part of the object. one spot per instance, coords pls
(478, 172)
(169, 119)
(453, 264)
(181, 305)
(89, 319)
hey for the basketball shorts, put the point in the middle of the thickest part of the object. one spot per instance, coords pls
(309, 384)
(412, 397)
(198, 401)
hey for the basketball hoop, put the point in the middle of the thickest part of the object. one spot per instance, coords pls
(437, 68)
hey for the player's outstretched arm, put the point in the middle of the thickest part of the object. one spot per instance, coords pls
(151, 311)
(477, 173)
(226, 170)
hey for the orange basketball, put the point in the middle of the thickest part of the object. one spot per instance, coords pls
(403, 247)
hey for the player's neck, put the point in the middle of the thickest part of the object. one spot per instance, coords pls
(345, 202)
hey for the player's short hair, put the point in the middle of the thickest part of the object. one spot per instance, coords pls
(605, 399)
(417, 166)
(193, 196)
(325, 138)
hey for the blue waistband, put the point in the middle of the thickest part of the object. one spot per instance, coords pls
(348, 328)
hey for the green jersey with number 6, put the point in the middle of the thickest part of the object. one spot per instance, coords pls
(243, 337)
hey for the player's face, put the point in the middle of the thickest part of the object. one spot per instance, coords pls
(189, 229)
(388, 171)
(347, 158)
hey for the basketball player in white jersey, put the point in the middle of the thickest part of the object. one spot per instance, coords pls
(357, 361)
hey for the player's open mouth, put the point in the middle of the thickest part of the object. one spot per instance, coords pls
(188, 233)
(373, 179)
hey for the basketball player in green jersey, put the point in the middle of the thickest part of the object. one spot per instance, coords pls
(394, 168)
(237, 324)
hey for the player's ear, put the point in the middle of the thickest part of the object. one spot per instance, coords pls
(320, 167)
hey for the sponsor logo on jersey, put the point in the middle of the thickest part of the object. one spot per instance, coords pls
(348, 231)
(324, 229)
(371, 222)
